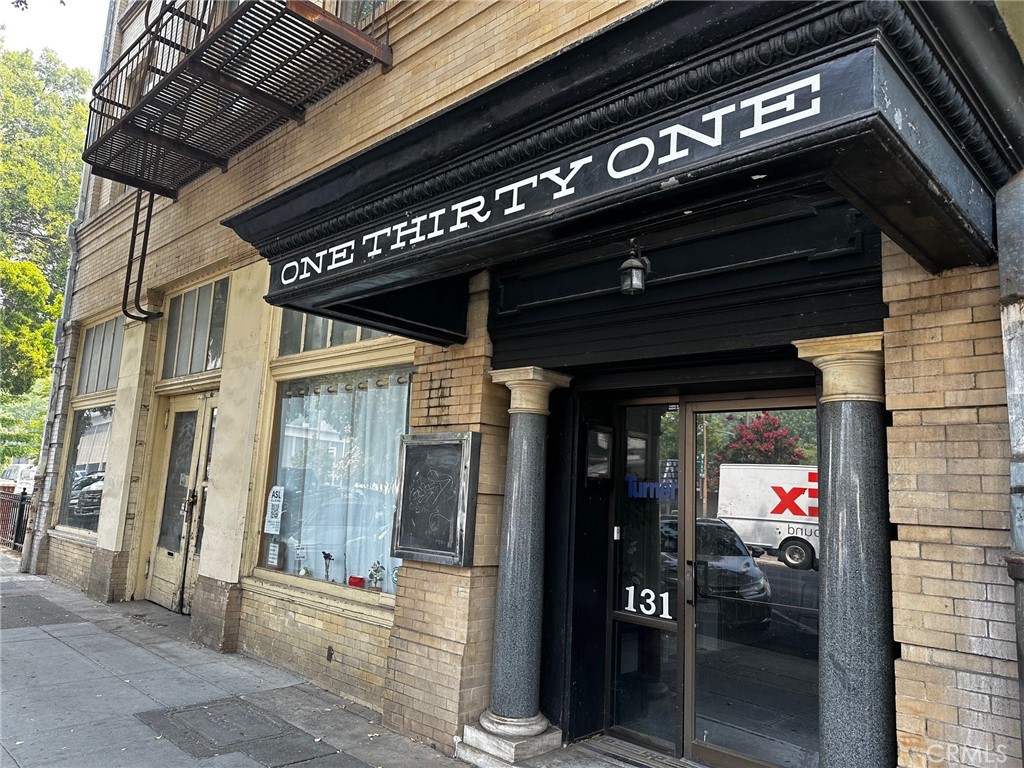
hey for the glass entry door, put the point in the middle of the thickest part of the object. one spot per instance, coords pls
(753, 512)
(645, 673)
(713, 622)
(174, 565)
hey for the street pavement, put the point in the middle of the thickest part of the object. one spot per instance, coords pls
(91, 685)
(87, 685)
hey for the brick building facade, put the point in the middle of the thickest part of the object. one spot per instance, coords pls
(433, 246)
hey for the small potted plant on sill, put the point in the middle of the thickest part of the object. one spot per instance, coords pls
(375, 575)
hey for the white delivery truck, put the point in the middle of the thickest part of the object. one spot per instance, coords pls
(774, 506)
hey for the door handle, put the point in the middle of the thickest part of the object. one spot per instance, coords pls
(189, 503)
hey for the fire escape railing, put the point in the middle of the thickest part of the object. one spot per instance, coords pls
(205, 80)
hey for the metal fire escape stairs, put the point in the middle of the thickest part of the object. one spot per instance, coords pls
(207, 79)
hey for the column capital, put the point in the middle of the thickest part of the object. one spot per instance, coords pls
(851, 366)
(530, 387)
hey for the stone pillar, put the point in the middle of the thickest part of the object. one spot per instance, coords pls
(513, 728)
(857, 709)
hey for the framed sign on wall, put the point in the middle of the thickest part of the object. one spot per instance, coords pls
(436, 511)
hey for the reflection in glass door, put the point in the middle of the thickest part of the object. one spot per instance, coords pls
(645, 664)
(754, 506)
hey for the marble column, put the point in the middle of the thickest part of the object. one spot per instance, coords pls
(1010, 235)
(513, 728)
(857, 690)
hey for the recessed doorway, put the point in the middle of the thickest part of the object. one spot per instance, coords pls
(712, 637)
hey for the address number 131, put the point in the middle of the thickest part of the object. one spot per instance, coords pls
(648, 603)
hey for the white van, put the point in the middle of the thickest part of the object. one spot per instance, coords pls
(26, 480)
(774, 506)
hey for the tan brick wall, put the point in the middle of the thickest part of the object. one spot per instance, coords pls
(949, 498)
(108, 576)
(296, 628)
(440, 652)
(216, 614)
(439, 661)
(70, 561)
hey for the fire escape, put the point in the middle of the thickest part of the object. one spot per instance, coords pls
(207, 79)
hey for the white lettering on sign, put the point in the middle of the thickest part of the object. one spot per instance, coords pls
(640, 155)
(788, 104)
(675, 131)
(648, 603)
(514, 189)
(564, 190)
(644, 142)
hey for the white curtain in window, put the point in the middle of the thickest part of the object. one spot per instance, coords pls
(338, 456)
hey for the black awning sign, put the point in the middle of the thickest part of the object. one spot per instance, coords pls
(671, 148)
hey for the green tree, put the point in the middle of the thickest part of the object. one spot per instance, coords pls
(21, 422)
(43, 115)
(27, 318)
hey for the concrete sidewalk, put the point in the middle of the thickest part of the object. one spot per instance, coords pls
(89, 685)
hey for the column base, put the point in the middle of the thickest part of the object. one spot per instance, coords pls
(513, 727)
(488, 750)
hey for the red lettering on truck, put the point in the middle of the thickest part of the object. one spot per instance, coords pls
(789, 496)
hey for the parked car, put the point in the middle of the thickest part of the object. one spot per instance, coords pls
(92, 481)
(89, 499)
(727, 577)
(26, 480)
(9, 477)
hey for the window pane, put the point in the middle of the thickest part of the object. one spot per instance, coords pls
(105, 337)
(94, 359)
(291, 332)
(178, 479)
(756, 545)
(370, 333)
(315, 336)
(343, 333)
(83, 364)
(337, 470)
(199, 346)
(218, 312)
(171, 348)
(115, 353)
(87, 464)
(188, 323)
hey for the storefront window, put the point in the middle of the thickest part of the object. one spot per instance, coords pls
(334, 479)
(101, 357)
(87, 466)
(195, 330)
(301, 332)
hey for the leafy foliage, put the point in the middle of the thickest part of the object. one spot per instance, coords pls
(780, 437)
(762, 441)
(27, 318)
(43, 116)
(21, 422)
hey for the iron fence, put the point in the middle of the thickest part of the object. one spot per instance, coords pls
(13, 516)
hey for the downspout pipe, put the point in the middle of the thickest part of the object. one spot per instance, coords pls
(36, 532)
(1010, 231)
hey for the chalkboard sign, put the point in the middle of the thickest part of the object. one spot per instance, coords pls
(434, 519)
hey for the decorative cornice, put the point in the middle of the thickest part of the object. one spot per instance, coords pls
(932, 76)
(832, 27)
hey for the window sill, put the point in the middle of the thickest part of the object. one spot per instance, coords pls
(362, 605)
(74, 535)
